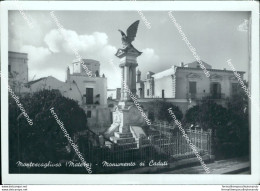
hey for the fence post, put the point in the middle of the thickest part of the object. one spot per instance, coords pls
(201, 132)
(159, 127)
(151, 140)
(164, 127)
(140, 142)
(195, 136)
(177, 143)
(209, 141)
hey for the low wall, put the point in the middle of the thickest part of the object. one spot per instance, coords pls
(183, 104)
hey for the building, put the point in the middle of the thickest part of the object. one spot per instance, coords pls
(139, 85)
(188, 83)
(145, 89)
(17, 70)
(114, 94)
(92, 89)
(89, 91)
(82, 66)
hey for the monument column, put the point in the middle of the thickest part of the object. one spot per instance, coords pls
(128, 66)
(130, 80)
(122, 85)
(127, 81)
(134, 80)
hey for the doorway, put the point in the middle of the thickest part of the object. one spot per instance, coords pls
(162, 93)
(89, 95)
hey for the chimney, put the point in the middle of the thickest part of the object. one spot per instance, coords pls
(182, 64)
(68, 74)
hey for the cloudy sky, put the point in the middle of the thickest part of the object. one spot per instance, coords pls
(216, 36)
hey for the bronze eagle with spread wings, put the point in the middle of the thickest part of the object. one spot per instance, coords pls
(131, 34)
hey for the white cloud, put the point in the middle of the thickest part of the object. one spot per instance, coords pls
(21, 34)
(67, 40)
(109, 51)
(149, 55)
(148, 60)
(94, 46)
(113, 73)
(35, 54)
(53, 39)
(243, 27)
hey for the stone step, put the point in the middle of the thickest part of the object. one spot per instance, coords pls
(126, 146)
(121, 147)
(123, 135)
(108, 144)
(122, 140)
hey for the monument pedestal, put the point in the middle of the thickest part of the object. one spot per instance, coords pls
(124, 116)
(127, 119)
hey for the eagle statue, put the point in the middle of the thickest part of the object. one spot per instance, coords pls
(130, 35)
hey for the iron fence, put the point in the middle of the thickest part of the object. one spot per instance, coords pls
(171, 141)
(164, 142)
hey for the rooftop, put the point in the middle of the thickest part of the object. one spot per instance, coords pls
(190, 66)
(196, 64)
(17, 55)
(213, 70)
(86, 61)
(164, 73)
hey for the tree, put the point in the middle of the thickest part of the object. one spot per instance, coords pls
(158, 110)
(229, 125)
(239, 121)
(43, 141)
(207, 115)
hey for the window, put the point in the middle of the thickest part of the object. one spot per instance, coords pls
(192, 87)
(148, 92)
(234, 88)
(97, 73)
(140, 92)
(215, 90)
(9, 68)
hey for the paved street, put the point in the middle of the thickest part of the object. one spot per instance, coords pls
(230, 166)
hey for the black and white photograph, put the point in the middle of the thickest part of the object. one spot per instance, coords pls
(129, 89)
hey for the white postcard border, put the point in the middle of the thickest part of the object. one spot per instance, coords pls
(135, 178)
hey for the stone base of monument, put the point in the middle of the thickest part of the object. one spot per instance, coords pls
(126, 130)
(123, 135)
(125, 115)
(131, 140)
(122, 140)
